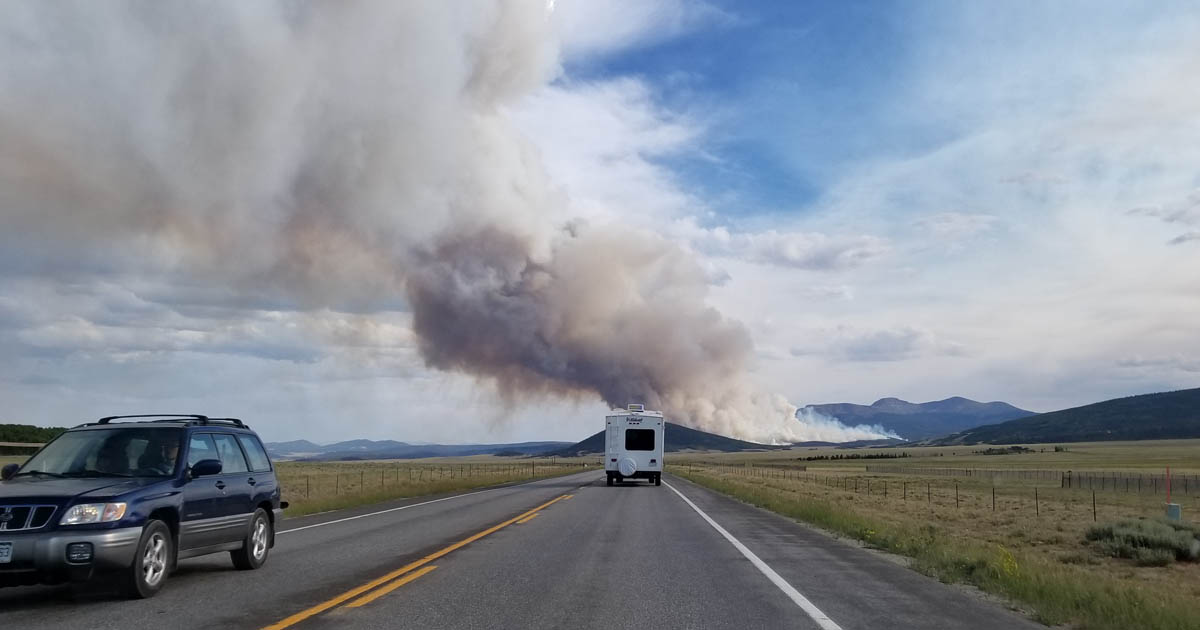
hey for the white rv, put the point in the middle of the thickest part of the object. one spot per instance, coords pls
(633, 445)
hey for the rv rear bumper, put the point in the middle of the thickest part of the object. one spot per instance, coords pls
(641, 474)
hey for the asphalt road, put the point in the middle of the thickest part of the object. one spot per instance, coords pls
(557, 553)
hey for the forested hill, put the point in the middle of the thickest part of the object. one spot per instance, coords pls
(1169, 415)
(28, 433)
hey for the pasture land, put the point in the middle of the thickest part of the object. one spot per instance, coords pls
(1182, 456)
(311, 487)
(1021, 535)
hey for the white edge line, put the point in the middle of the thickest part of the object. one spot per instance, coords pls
(821, 618)
(402, 507)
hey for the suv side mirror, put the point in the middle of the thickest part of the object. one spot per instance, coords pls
(8, 471)
(206, 467)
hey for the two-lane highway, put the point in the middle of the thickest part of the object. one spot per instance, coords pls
(564, 552)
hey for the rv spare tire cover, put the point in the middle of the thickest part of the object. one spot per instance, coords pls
(627, 467)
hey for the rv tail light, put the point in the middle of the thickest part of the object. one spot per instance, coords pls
(614, 459)
(654, 461)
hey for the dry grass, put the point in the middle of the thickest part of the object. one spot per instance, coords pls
(311, 487)
(1152, 456)
(1061, 575)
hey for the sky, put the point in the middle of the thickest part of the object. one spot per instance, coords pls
(254, 211)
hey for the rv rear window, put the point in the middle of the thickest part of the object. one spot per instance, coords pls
(639, 439)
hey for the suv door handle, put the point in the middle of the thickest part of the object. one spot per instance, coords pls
(251, 481)
(220, 485)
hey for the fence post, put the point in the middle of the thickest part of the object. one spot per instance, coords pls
(956, 495)
(361, 480)
(1037, 511)
(905, 490)
(1093, 506)
(337, 484)
(993, 498)
(928, 494)
(306, 487)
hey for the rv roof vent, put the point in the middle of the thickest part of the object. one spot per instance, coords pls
(637, 408)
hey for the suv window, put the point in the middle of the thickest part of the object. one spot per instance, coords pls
(201, 447)
(259, 462)
(115, 452)
(232, 459)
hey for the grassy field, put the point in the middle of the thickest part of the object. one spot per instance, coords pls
(1150, 456)
(1030, 547)
(311, 487)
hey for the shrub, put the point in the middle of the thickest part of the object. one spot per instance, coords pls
(1153, 557)
(1146, 541)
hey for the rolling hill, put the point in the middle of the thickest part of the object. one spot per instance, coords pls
(679, 438)
(1169, 415)
(918, 421)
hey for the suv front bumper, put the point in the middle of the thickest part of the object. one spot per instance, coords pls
(41, 557)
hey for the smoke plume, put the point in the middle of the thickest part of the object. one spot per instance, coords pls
(354, 156)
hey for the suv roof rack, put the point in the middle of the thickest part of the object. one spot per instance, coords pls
(171, 417)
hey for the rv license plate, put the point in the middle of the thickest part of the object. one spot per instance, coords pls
(5, 552)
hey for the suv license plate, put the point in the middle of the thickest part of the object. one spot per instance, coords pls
(5, 552)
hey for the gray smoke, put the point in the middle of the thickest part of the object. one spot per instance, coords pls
(355, 156)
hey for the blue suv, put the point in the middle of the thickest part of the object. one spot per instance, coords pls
(134, 497)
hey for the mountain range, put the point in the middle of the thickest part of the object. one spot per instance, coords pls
(678, 438)
(918, 421)
(1163, 416)
(957, 420)
(391, 449)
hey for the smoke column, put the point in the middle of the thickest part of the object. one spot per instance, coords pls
(355, 156)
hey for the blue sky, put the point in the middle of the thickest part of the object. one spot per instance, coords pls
(795, 90)
(922, 200)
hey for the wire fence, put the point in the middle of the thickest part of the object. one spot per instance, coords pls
(976, 492)
(309, 480)
(1104, 481)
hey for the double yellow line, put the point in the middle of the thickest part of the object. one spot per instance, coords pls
(398, 573)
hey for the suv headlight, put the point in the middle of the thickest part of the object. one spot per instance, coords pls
(93, 513)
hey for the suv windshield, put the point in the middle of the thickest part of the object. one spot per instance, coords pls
(115, 452)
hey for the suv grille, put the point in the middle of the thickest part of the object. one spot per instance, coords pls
(17, 517)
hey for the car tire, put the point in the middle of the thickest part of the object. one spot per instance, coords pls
(658, 480)
(151, 561)
(610, 481)
(257, 545)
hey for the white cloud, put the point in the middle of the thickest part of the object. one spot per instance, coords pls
(799, 250)
(899, 343)
(588, 29)
(602, 142)
(1162, 363)
(956, 225)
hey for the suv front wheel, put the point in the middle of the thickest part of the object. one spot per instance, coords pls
(253, 553)
(151, 562)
